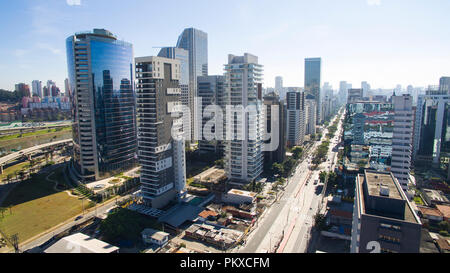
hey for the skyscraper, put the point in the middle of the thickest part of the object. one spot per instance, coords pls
(104, 126)
(51, 87)
(244, 128)
(343, 87)
(196, 43)
(36, 87)
(67, 91)
(182, 55)
(279, 85)
(211, 91)
(402, 139)
(444, 84)
(366, 88)
(295, 118)
(313, 72)
(310, 116)
(23, 89)
(279, 154)
(160, 141)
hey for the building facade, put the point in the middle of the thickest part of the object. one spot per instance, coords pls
(313, 74)
(295, 118)
(36, 87)
(196, 43)
(212, 92)
(402, 139)
(279, 117)
(244, 128)
(159, 122)
(383, 219)
(310, 117)
(104, 125)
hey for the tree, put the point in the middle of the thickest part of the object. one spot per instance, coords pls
(297, 152)
(277, 168)
(444, 225)
(323, 176)
(2, 210)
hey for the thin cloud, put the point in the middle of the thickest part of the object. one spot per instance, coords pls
(50, 48)
(73, 2)
(374, 2)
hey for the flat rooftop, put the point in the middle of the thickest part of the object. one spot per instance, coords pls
(376, 179)
(373, 179)
(242, 193)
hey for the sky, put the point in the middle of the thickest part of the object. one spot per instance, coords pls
(383, 42)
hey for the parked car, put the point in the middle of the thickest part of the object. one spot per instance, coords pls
(78, 217)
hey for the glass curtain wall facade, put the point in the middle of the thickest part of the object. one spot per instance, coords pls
(196, 43)
(104, 118)
(313, 71)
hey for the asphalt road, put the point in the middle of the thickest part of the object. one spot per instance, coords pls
(287, 223)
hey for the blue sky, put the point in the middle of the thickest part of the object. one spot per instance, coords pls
(384, 42)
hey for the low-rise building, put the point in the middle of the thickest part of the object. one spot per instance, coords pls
(152, 236)
(445, 211)
(239, 197)
(81, 243)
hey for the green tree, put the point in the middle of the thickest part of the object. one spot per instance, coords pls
(2, 211)
(297, 152)
(277, 168)
(444, 225)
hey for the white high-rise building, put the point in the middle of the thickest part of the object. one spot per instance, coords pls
(244, 130)
(279, 85)
(366, 88)
(36, 87)
(295, 119)
(402, 139)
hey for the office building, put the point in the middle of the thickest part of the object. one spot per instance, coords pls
(279, 86)
(313, 74)
(295, 118)
(278, 117)
(67, 91)
(444, 85)
(244, 128)
(402, 139)
(365, 89)
(160, 142)
(212, 92)
(343, 92)
(431, 132)
(383, 219)
(196, 43)
(36, 87)
(104, 126)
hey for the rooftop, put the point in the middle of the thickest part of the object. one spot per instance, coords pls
(385, 197)
(154, 234)
(242, 193)
(377, 182)
(80, 243)
(444, 209)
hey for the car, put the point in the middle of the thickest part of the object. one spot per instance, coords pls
(78, 217)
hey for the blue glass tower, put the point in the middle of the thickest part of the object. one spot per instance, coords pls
(104, 119)
(313, 71)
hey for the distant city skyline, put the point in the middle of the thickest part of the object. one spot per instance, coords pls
(393, 42)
